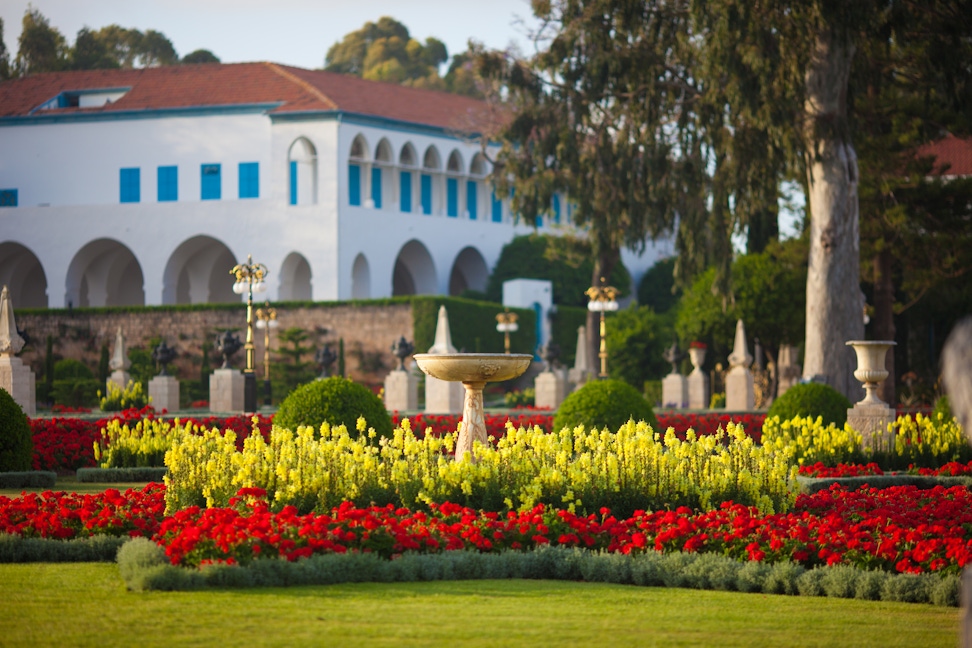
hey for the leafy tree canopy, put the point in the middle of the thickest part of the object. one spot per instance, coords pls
(566, 261)
(200, 56)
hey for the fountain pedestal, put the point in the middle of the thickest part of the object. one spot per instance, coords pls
(473, 370)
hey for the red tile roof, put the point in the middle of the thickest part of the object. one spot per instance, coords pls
(953, 156)
(295, 89)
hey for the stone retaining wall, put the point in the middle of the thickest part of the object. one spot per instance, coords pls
(368, 332)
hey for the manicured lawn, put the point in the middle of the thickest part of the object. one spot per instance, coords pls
(70, 484)
(88, 605)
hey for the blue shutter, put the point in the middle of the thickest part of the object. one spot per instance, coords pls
(426, 194)
(130, 186)
(211, 183)
(249, 179)
(293, 182)
(497, 208)
(354, 185)
(168, 183)
(452, 197)
(405, 179)
(8, 197)
(376, 186)
(471, 202)
(556, 208)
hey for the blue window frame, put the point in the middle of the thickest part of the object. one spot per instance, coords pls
(556, 208)
(249, 179)
(452, 197)
(130, 185)
(8, 197)
(471, 202)
(426, 194)
(354, 185)
(168, 183)
(211, 183)
(293, 182)
(496, 206)
(376, 187)
(405, 193)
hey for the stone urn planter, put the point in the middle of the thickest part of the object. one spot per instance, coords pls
(871, 369)
(696, 357)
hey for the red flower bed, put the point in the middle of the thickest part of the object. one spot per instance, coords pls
(69, 515)
(64, 444)
(840, 470)
(951, 469)
(900, 529)
(704, 424)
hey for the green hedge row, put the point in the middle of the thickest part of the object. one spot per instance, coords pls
(472, 325)
(814, 484)
(28, 479)
(99, 548)
(114, 475)
(143, 566)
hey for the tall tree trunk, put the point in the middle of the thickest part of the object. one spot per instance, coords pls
(883, 321)
(835, 303)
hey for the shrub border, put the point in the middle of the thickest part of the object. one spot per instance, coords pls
(812, 485)
(28, 479)
(143, 566)
(113, 475)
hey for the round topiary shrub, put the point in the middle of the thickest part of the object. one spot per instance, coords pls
(337, 401)
(813, 400)
(16, 444)
(604, 403)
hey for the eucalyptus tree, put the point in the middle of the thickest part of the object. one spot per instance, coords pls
(605, 113)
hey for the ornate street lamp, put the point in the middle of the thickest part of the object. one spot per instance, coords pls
(266, 320)
(602, 299)
(249, 279)
(506, 324)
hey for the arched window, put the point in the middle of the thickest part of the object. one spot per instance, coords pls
(406, 178)
(302, 172)
(454, 171)
(476, 187)
(382, 186)
(357, 170)
(431, 180)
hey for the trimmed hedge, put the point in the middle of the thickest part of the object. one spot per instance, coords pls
(337, 401)
(604, 403)
(813, 484)
(99, 548)
(16, 442)
(143, 566)
(114, 475)
(28, 479)
(812, 399)
(472, 325)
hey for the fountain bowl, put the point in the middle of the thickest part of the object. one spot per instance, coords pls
(473, 367)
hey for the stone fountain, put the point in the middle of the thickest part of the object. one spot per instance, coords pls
(473, 370)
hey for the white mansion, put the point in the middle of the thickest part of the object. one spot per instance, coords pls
(131, 187)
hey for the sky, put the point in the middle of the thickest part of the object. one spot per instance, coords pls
(292, 32)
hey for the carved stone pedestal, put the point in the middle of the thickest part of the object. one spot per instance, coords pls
(164, 392)
(401, 391)
(226, 391)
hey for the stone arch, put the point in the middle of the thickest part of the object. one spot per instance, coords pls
(469, 271)
(302, 172)
(23, 275)
(295, 278)
(414, 272)
(198, 272)
(104, 273)
(360, 278)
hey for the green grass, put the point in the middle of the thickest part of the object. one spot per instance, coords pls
(70, 484)
(87, 605)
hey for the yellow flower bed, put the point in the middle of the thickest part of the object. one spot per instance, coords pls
(579, 469)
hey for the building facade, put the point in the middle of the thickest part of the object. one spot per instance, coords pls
(142, 187)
